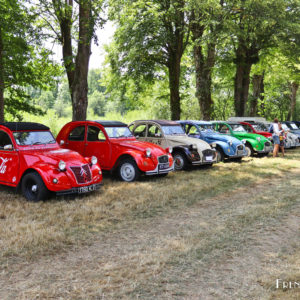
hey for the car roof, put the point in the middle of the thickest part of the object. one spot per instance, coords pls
(198, 122)
(161, 122)
(20, 126)
(106, 123)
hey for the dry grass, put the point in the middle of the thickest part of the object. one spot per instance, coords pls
(155, 238)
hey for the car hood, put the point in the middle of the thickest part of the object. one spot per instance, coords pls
(246, 135)
(139, 145)
(264, 133)
(212, 137)
(53, 156)
(295, 131)
(184, 140)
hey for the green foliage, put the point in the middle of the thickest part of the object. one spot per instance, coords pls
(25, 62)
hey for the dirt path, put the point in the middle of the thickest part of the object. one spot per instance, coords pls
(229, 247)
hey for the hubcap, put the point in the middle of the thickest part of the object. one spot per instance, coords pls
(34, 188)
(127, 172)
(179, 162)
(248, 151)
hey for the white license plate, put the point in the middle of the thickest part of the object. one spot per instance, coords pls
(209, 158)
(86, 189)
(163, 166)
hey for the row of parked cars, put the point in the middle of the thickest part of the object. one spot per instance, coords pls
(36, 163)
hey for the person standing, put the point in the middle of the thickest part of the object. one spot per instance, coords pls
(282, 137)
(275, 137)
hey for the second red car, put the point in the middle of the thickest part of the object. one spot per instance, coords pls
(116, 148)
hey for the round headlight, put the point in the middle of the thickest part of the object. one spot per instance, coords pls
(148, 152)
(244, 141)
(193, 146)
(258, 138)
(62, 165)
(170, 149)
(230, 142)
(213, 145)
(94, 160)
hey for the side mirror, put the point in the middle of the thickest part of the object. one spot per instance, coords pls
(8, 147)
(61, 142)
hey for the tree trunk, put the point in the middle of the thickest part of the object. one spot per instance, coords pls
(80, 83)
(174, 84)
(1, 80)
(241, 87)
(258, 90)
(203, 68)
(77, 72)
(246, 56)
(294, 86)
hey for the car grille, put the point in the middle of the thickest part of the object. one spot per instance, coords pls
(163, 159)
(82, 174)
(267, 144)
(240, 147)
(208, 152)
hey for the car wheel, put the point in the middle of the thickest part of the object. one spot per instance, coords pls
(34, 188)
(180, 162)
(249, 150)
(219, 155)
(128, 170)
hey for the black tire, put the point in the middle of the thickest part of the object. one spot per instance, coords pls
(249, 150)
(128, 170)
(34, 188)
(219, 155)
(180, 161)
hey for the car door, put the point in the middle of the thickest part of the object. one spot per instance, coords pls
(97, 144)
(155, 135)
(76, 139)
(140, 131)
(9, 160)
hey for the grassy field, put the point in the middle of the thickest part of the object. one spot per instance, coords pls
(223, 232)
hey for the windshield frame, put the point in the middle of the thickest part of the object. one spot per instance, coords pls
(106, 128)
(38, 143)
(163, 127)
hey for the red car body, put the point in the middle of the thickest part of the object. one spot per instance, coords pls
(18, 159)
(102, 139)
(249, 127)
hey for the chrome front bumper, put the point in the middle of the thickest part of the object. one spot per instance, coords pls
(158, 171)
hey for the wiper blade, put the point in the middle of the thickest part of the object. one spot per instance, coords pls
(37, 143)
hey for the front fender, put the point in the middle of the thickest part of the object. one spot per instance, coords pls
(48, 173)
(65, 180)
(188, 152)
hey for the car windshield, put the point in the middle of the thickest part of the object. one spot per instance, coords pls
(238, 127)
(26, 138)
(285, 127)
(260, 127)
(294, 126)
(206, 127)
(173, 130)
(118, 132)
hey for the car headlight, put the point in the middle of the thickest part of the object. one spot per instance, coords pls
(170, 150)
(213, 145)
(62, 165)
(258, 138)
(230, 142)
(193, 146)
(148, 152)
(244, 141)
(94, 160)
